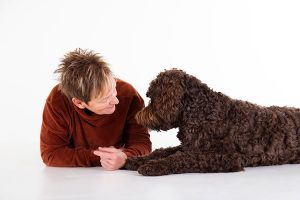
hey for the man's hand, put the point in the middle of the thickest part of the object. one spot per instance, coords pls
(111, 158)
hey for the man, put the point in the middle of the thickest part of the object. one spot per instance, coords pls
(88, 118)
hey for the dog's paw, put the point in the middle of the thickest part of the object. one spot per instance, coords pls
(153, 168)
(134, 163)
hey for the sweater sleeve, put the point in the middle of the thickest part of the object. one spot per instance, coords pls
(55, 142)
(137, 138)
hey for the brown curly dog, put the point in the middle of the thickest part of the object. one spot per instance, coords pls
(217, 133)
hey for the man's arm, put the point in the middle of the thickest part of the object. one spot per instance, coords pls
(137, 138)
(55, 143)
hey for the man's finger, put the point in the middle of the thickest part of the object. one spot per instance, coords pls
(104, 155)
(106, 164)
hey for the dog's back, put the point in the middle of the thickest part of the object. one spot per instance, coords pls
(265, 135)
(262, 135)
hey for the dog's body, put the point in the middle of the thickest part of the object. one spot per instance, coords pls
(217, 133)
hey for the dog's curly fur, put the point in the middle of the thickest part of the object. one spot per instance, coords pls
(217, 133)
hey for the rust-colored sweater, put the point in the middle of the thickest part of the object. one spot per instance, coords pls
(69, 134)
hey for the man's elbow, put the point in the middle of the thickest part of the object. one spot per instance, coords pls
(47, 160)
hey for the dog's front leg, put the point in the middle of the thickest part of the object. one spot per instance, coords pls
(134, 163)
(192, 162)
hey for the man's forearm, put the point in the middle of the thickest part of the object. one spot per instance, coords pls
(70, 157)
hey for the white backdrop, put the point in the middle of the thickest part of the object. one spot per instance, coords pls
(247, 49)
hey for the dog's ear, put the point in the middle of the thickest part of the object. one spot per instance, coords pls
(166, 93)
(171, 102)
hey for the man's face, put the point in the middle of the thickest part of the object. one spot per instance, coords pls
(106, 104)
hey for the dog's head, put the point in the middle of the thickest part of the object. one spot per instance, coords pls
(166, 93)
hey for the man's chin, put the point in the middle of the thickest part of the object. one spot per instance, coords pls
(106, 111)
(109, 111)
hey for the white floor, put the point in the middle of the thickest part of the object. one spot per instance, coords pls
(23, 176)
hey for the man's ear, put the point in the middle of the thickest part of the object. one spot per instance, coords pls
(80, 104)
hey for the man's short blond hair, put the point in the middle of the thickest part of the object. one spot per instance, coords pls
(83, 74)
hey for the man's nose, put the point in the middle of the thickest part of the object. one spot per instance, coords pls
(114, 100)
